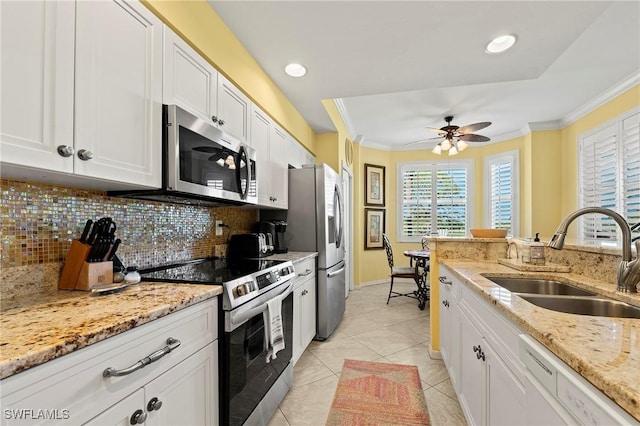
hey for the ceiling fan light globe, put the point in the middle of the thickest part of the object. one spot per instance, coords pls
(453, 151)
(445, 144)
(462, 145)
(437, 150)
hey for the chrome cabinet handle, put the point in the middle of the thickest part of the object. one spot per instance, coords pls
(305, 292)
(214, 118)
(154, 404)
(138, 417)
(220, 121)
(85, 155)
(65, 150)
(306, 272)
(443, 280)
(171, 345)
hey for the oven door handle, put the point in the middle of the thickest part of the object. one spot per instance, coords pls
(239, 316)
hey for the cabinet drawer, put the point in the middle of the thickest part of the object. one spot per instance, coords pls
(305, 269)
(75, 382)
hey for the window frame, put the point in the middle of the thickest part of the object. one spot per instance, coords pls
(617, 128)
(512, 157)
(433, 165)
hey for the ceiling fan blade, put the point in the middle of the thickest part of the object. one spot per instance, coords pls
(424, 140)
(439, 131)
(470, 137)
(473, 127)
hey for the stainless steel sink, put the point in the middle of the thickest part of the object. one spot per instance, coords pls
(538, 286)
(580, 305)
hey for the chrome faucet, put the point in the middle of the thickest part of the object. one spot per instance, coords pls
(628, 270)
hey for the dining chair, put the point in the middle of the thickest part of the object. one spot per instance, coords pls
(397, 271)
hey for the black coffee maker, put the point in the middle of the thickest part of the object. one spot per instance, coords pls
(279, 244)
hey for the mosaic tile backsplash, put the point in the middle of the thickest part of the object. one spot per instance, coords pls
(39, 221)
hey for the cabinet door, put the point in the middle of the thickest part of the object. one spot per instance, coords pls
(298, 303)
(234, 110)
(188, 393)
(308, 312)
(188, 79)
(122, 413)
(279, 181)
(37, 83)
(505, 396)
(118, 102)
(260, 129)
(472, 371)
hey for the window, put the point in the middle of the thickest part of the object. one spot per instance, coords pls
(501, 189)
(609, 176)
(434, 196)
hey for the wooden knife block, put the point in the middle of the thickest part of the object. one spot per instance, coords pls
(94, 273)
(73, 265)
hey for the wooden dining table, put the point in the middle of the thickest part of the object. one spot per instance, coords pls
(420, 259)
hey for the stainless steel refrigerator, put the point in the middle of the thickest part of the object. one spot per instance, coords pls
(314, 223)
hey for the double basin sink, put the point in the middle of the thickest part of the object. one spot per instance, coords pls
(563, 297)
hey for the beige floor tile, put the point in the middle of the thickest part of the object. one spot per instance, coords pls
(309, 369)
(334, 358)
(443, 411)
(415, 327)
(309, 404)
(432, 372)
(278, 419)
(447, 388)
(385, 341)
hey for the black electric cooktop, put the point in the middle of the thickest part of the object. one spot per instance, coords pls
(213, 270)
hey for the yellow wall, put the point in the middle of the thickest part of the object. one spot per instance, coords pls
(201, 27)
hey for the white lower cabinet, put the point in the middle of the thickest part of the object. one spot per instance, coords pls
(181, 396)
(450, 328)
(178, 388)
(304, 306)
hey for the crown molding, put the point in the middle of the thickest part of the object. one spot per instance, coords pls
(546, 125)
(624, 85)
(344, 115)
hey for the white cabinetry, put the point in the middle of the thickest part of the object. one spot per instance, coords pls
(269, 141)
(184, 381)
(188, 80)
(92, 87)
(449, 325)
(297, 155)
(304, 306)
(483, 355)
(234, 110)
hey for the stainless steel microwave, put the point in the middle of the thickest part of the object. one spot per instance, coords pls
(201, 164)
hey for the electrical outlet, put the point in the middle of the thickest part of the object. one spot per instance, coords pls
(218, 227)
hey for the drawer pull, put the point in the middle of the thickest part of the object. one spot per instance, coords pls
(443, 280)
(306, 272)
(138, 417)
(171, 345)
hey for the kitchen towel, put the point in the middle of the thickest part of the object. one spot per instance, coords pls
(273, 334)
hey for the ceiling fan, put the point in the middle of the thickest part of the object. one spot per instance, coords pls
(455, 138)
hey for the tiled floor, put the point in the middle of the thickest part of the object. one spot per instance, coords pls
(374, 331)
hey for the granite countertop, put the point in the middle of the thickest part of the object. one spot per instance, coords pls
(605, 351)
(44, 326)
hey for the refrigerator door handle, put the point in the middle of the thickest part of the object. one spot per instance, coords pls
(338, 213)
(334, 273)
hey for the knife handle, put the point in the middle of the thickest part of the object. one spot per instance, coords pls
(85, 231)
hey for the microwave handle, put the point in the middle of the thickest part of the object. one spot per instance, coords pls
(242, 156)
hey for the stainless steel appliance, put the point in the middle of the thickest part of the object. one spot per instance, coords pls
(251, 388)
(315, 196)
(269, 230)
(201, 164)
(279, 240)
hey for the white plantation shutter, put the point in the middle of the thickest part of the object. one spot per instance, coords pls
(609, 170)
(501, 180)
(434, 196)
(631, 169)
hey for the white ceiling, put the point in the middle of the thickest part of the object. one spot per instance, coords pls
(396, 67)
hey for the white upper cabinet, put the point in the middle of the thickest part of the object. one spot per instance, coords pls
(188, 79)
(270, 143)
(82, 93)
(297, 155)
(118, 108)
(37, 84)
(234, 109)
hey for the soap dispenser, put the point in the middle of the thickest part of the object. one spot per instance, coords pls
(537, 251)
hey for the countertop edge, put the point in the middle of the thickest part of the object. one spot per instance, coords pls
(617, 392)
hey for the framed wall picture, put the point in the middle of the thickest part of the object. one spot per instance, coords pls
(374, 185)
(374, 227)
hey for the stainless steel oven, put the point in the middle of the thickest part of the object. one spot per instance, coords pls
(201, 164)
(251, 385)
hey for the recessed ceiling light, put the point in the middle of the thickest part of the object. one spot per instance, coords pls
(500, 44)
(295, 70)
